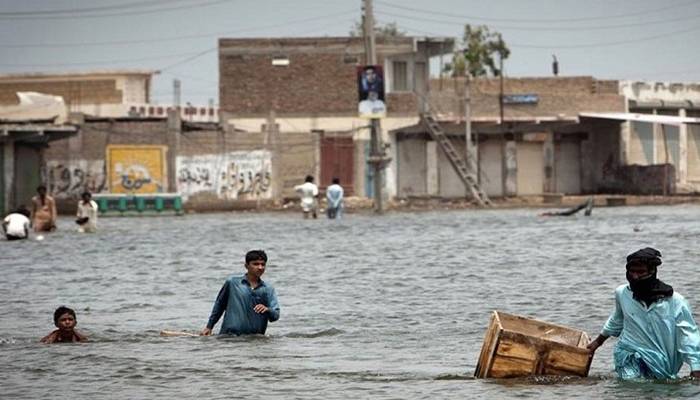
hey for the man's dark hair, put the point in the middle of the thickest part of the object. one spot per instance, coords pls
(40, 187)
(255, 255)
(22, 209)
(336, 181)
(60, 311)
(309, 178)
(86, 193)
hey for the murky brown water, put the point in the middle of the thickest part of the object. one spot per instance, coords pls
(383, 308)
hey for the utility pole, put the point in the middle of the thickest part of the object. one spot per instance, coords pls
(500, 97)
(468, 122)
(177, 89)
(376, 157)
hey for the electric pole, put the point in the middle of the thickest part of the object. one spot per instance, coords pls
(468, 122)
(177, 90)
(376, 157)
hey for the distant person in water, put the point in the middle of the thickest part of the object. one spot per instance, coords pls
(65, 320)
(43, 211)
(334, 196)
(247, 301)
(308, 193)
(86, 218)
(655, 326)
(16, 224)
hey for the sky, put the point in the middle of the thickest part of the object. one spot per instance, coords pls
(608, 39)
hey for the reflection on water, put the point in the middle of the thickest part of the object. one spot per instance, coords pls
(390, 307)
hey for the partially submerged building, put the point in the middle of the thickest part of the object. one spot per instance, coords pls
(307, 87)
(671, 136)
(22, 153)
(536, 143)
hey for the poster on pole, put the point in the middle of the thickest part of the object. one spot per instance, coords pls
(370, 85)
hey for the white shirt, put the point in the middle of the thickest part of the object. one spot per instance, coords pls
(334, 194)
(89, 211)
(308, 192)
(16, 225)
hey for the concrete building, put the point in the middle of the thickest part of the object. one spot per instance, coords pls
(22, 151)
(677, 144)
(101, 93)
(308, 86)
(543, 144)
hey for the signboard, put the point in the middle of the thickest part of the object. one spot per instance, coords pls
(370, 85)
(136, 169)
(520, 99)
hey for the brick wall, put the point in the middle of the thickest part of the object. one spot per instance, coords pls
(319, 80)
(99, 91)
(567, 96)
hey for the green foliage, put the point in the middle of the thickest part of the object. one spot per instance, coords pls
(388, 30)
(480, 47)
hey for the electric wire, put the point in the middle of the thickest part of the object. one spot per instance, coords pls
(121, 6)
(538, 20)
(207, 3)
(176, 38)
(546, 28)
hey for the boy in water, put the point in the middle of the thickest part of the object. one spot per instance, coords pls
(87, 214)
(65, 320)
(249, 302)
(16, 224)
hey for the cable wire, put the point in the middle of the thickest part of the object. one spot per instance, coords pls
(175, 38)
(537, 20)
(115, 14)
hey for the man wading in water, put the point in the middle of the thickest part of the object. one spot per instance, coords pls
(249, 302)
(654, 324)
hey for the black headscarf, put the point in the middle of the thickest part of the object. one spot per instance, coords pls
(648, 289)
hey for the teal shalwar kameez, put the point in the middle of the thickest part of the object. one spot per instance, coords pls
(653, 341)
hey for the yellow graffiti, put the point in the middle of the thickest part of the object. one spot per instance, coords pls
(136, 169)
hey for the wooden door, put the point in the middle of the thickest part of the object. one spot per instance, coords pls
(338, 161)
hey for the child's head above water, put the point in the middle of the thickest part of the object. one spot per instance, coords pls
(64, 318)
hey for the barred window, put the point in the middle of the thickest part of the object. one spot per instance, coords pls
(399, 76)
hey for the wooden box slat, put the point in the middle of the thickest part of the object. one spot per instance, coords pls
(518, 346)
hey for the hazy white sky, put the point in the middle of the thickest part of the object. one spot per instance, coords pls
(616, 39)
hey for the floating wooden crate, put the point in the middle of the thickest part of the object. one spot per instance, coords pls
(517, 346)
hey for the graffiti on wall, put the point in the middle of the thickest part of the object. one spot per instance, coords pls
(69, 178)
(136, 169)
(235, 175)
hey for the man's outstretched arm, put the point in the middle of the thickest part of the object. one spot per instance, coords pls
(218, 309)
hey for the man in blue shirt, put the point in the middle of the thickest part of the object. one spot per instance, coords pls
(249, 303)
(655, 326)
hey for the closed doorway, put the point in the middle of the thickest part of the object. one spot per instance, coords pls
(338, 161)
(530, 162)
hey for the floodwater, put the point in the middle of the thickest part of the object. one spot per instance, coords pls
(372, 308)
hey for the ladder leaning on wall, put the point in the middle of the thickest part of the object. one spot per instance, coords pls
(463, 168)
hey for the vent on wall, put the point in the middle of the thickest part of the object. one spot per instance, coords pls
(280, 61)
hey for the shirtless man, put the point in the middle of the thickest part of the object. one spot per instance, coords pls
(43, 211)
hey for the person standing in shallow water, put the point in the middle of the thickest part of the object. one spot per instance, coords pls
(247, 301)
(308, 192)
(86, 217)
(655, 326)
(334, 196)
(43, 211)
